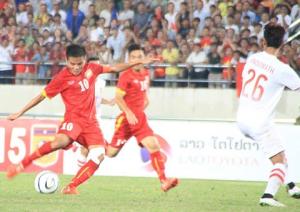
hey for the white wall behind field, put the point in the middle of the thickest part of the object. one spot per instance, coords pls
(164, 103)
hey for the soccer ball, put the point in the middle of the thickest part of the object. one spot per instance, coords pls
(46, 182)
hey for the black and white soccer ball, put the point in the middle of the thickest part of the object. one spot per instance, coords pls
(46, 182)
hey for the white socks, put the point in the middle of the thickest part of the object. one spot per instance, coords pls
(276, 178)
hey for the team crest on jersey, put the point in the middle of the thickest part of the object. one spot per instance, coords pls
(88, 73)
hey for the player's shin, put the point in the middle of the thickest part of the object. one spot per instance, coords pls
(89, 168)
(158, 163)
(276, 179)
(41, 151)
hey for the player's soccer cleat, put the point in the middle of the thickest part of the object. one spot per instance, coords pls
(70, 190)
(270, 202)
(168, 184)
(13, 170)
(294, 192)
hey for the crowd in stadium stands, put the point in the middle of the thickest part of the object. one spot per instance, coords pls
(190, 32)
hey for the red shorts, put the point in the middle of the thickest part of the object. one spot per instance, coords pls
(123, 130)
(88, 134)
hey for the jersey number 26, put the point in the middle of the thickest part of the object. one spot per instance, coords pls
(258, 90)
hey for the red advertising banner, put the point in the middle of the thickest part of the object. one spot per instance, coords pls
(22, 137)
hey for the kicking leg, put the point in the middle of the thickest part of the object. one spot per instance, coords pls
(60, 141)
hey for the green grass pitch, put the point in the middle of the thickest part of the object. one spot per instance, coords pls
(138, 194)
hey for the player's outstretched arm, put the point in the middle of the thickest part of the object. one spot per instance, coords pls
(123, 66)
(36, 100)
(131, 118)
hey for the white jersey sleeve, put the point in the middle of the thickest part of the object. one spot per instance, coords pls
(288, 77)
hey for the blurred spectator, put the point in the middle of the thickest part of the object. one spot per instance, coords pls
(20, 55)
(201, 12)
(246, 11)
(56, 56)
(42, 14)
(227, 72)
(57, 24)
(41, 57)
(21, 15)
(197, 57)
(141, 19)
(84, 6)
(171, 55)
(116, 43)
(92, 14)
(127, 13)
(105, 57)
(6, 70)
(184, 72)
(97, 31)
(295, 14)
(109, 13)
(58, 11)
(83, 35)
(75, 18)
(159, 72)
(214, 74)
(171, 20)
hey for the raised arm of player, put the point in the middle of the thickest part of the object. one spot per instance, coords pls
(35, 101)
(131, 118)
(123, 66)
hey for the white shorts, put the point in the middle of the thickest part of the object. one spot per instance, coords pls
(271, 142)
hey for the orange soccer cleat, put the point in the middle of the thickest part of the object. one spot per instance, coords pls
(14, 170)
(70, 190)
(169, 183)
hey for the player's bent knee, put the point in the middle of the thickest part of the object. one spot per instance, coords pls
(111, 152)
(151, 144)
(97, 154)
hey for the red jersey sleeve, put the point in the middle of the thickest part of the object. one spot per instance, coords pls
(53, 88)
(97, 69)
(123, 83)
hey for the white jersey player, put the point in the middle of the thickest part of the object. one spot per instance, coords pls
(264, 79)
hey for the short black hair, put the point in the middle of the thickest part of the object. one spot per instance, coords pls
(274, 35)
(134, 47)
(75, 50)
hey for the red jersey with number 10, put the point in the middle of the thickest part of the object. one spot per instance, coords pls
(77, 91)
(134, 85)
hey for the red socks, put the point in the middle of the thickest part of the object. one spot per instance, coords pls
(158, 163)
(84, 173)
(41, 151)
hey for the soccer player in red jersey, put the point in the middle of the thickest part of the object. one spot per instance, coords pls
(76, 84)
(131, 97)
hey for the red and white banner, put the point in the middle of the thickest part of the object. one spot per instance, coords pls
(194, 149)
(22, 137)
